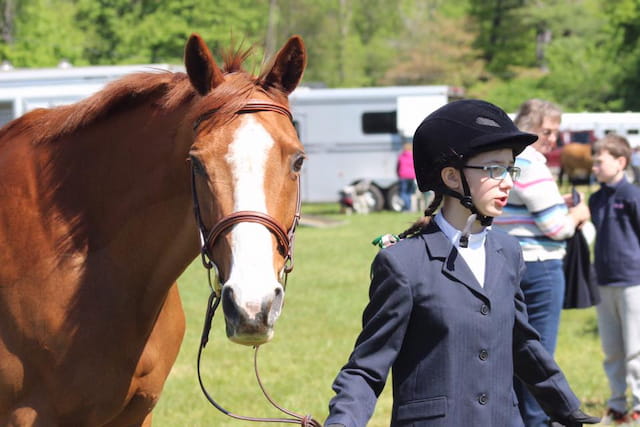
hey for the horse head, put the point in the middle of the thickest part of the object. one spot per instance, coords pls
(246, 159)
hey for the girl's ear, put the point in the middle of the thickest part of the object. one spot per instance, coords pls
(451, 178)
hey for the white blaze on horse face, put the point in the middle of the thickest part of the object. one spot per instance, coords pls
(252, 276)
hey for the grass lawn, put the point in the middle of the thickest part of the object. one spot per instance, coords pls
(315, 334)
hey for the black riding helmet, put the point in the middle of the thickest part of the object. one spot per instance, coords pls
(457, 131)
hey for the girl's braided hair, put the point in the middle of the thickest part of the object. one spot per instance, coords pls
(433, 176)
(418, 227)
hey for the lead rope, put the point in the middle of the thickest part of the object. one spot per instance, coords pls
(212, 305)
(304, 420)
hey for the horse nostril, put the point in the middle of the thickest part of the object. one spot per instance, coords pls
(276, 306)
(229, 305)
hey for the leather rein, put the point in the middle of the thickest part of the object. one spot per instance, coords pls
(208, 238)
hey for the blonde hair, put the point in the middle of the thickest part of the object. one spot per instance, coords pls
(532, 113)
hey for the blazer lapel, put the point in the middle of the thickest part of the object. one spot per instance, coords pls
(453, 265)
(495, 262)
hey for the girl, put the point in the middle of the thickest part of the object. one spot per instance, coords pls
(446, 312)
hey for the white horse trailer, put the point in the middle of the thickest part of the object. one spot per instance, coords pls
(353, 136)
(624, 124)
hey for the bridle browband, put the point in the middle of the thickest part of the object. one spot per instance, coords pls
(251, 106)
(208, 238)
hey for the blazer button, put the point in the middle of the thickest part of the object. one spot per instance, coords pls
(484, 309)
(483, 399)
(484, 355)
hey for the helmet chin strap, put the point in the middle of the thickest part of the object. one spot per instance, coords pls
(467, 202)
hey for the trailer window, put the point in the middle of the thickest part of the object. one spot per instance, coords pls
(583, 136)
(379, 122)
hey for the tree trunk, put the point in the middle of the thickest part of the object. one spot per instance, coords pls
(6, 22)
(270, 39)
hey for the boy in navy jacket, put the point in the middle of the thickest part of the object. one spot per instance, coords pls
(615, 212)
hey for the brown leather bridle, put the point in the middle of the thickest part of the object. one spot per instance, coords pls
(284, 237)
(208, 238)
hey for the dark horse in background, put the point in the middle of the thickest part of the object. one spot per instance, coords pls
(97, 223)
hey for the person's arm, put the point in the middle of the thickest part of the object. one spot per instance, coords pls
(634, 216)
(542, 375)
(385, 320)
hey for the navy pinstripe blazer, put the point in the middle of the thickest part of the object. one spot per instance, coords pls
(453, 346)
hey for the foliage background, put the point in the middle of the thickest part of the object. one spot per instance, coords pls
(582, 54)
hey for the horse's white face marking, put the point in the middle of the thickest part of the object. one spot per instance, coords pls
(252, 276)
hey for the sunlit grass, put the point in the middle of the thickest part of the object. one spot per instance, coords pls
(315, 334)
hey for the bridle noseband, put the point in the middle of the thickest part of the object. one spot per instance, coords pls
(208, 238)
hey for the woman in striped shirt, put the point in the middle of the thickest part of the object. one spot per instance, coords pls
(542, 219)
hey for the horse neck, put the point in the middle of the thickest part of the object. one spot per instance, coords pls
(126, 188)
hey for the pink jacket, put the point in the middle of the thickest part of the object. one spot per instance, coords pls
(405, 165)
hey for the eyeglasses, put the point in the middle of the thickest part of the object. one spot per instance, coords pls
(499, 171)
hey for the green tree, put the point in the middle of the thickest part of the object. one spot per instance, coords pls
(624, 18)
(571, 59)
(350, 42)
(583, 54)
(143, 31)
(502, 36)
(434, 47)
(41, 33)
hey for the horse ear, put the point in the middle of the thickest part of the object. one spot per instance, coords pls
(287, 69)
(202, 69)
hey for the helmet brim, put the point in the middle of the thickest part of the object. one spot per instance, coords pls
(517, 141)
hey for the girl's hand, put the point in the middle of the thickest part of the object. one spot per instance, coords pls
(576, 419)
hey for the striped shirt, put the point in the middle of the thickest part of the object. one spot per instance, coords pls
(536, 213)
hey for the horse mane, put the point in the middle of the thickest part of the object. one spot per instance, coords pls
(170, 89)
(167, 89)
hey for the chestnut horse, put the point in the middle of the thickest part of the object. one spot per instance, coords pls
(97, 223)
(576, 162)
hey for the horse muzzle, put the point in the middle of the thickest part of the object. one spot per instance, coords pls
(251, 321)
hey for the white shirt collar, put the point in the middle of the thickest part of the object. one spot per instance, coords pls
(474, 255)
(476, 240)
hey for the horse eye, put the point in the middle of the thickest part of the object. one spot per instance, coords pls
(297, 163)
(197, 166)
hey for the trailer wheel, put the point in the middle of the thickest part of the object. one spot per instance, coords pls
(369, 197)
(394, 202)
(376, 198)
